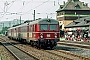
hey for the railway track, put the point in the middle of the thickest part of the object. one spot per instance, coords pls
(16, 52)
(75, 44)
(72, 55)
(63, 55)
(79, 42)
(81, 50)
(42, 55)
(31, 50)
(66, 55)
(56, 54)
(59, 55)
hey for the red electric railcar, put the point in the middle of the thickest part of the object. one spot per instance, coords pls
(41, 33)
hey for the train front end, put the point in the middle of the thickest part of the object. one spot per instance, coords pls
(49, 33)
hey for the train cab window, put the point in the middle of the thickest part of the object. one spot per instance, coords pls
(43, 27)
(53, 27)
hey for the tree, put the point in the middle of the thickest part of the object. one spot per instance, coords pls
(3, 30)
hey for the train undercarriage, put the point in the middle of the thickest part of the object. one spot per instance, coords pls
(39, 43)
(43, 43)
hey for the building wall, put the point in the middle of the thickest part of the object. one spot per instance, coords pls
(66, 17)
(64, 23)
(72, 10)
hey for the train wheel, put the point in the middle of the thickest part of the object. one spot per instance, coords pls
(24, 40)
(39, 45)
(45, 47)
(35, 44)
(51, 47)
(32, 43)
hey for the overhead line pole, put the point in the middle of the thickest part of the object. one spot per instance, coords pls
(34, 15)
(20, 19)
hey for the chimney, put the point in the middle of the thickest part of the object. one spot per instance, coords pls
(86, 4)
(64, 2)
(82, 3)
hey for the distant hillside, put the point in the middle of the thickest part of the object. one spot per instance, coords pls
(10, 23)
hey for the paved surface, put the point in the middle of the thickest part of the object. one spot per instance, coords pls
(21, 55)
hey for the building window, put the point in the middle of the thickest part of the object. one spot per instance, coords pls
(85, 21)
(77, 6)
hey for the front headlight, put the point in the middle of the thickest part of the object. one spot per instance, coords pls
(55, 36)
(41, 36)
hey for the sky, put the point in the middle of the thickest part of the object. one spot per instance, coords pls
(13, 9)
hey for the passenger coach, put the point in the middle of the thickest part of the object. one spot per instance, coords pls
(42, 33)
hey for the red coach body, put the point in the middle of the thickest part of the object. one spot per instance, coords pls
(42, 33)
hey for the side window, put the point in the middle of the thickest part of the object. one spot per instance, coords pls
(31, 28)
(53, 27)
(43, 27)
(34, 28)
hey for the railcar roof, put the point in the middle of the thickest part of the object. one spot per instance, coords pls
(43, 20)
(39, 21)
(18, 26)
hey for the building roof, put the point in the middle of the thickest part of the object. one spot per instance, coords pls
(73, 5)
(70, 25)
(79, 22)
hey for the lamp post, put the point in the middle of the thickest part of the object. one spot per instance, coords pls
(34, 15)
(20, 19)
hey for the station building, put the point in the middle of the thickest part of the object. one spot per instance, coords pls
(79, 27)
(72, 11)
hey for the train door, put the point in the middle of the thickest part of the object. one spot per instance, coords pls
(18, 33)
(15, 33)
(28, 32)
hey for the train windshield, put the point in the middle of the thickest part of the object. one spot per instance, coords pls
(53, 27)
(43, 27)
